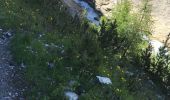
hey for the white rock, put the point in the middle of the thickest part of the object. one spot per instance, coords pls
(40, 35)
(156, 45)
(46, 45)
(71, 95)
(104, 80)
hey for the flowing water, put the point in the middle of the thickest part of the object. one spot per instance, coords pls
(91, 14)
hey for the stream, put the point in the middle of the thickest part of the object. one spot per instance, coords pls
(91, 14)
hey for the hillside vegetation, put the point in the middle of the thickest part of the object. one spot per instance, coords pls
(61, 53)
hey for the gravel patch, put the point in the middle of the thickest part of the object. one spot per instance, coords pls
(7, 70)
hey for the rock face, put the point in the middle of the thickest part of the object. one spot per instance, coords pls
(105, 6)
(160, 14)
(161, 17)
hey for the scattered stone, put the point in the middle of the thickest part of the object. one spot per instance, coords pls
(46, 45)
(104, 80)
(7, 34)
(9, 93)
(40, 35)
(71, 95)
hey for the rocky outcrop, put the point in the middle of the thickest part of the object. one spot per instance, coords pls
(105, 6)
(161, 18)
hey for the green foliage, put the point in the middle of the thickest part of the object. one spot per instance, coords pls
(132, 26)
(108, 34)
(158, 65)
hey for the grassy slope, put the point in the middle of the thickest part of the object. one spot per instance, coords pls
(28, 47)
(72, 50)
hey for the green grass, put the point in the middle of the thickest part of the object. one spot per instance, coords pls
(61, 30)
(73, 50)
